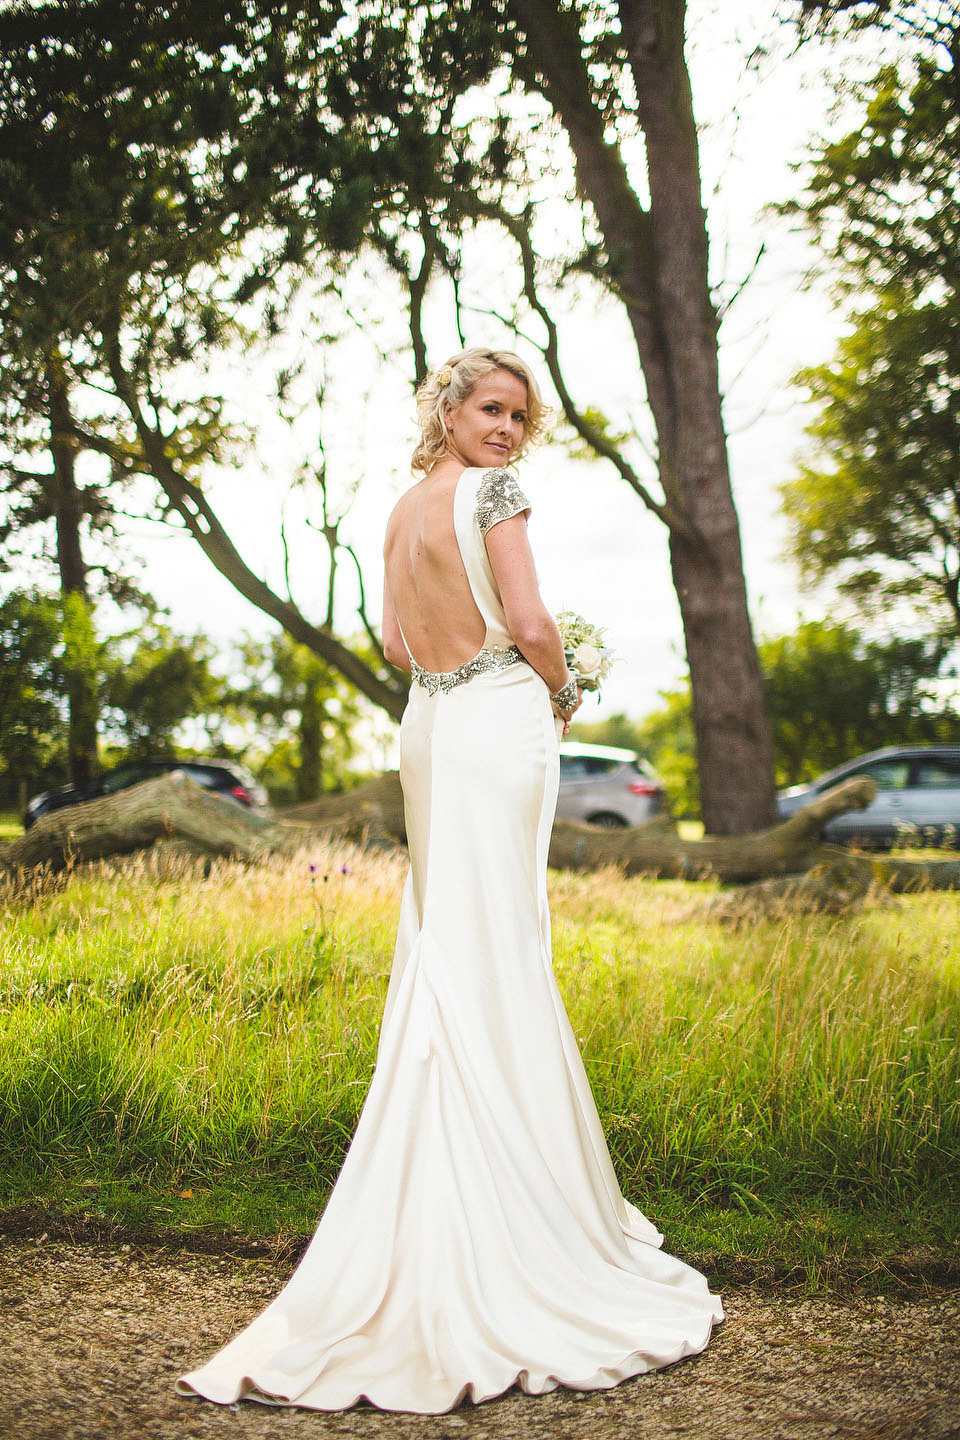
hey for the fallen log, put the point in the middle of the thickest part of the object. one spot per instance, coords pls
(655, 849)
(834, 887)
(789, 848)
(175, 807)
(792, 848)
(372, 810)
(171, 806)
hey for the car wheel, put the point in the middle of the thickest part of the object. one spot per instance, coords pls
(608, 820)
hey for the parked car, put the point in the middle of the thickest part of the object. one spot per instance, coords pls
(222, 776)
(604, 785)
(918, 798)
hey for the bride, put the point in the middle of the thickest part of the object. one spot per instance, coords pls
(476, 1238)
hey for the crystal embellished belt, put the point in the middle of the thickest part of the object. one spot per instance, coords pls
(446, 680)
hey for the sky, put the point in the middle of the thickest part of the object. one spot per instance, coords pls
(598, 550)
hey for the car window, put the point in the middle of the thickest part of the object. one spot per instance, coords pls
(887, 774)
(207, 778)
(597, 765)
(121, 779)
(571, 767)
(644, 768)
(937, 774)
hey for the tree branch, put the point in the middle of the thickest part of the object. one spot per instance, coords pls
(372, 635)
(190, 503)
(27, 477)
(588, 432)
(417, 289)
(286, 559)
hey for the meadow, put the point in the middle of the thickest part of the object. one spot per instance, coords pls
(185, 1046)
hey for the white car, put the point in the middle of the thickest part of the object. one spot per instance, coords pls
(603, 785)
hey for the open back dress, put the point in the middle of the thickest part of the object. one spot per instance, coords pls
(476, 1238)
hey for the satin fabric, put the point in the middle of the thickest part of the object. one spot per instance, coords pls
(476, 1237)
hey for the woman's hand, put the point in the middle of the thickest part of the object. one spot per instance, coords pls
(567, 712)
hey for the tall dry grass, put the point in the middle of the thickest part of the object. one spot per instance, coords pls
(216, 1025)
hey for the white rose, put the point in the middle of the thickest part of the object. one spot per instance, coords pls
(587, 660)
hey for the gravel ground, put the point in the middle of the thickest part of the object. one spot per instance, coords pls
(92, 1336)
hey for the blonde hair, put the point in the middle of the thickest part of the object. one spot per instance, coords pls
(453, 382)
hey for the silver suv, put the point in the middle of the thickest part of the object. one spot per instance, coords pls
(917, 802)
(603, 785)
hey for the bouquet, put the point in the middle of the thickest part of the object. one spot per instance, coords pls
(587, 656)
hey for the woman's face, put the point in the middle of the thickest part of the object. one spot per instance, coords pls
(487, 427)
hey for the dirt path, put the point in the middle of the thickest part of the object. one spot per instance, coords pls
(92, 1335)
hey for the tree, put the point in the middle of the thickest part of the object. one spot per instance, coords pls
(88, 199)
(146, 683)
(304, 710)
(832, 694)
(54, 495)
(667, 740)
(880, 512)
(879, 508)
(335, 136)
(33, 729)
(153, 680)
(617, 730)
(613, 74)
(162, 169)
(931, 21)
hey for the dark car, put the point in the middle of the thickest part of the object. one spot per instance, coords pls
(918, 798)
(222, 776)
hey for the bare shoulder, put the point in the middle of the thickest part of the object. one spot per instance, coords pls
(398, 514)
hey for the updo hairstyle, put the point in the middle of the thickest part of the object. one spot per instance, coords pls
(453, 382)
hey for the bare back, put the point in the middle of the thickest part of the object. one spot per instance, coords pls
(426, 578)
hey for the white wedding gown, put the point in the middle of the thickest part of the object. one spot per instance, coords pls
(476, 1237)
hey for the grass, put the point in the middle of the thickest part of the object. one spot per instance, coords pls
(10, 826)
(188, 1046)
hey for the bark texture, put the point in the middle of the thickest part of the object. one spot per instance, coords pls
(68, 510)
(171, 806)
(67, 503)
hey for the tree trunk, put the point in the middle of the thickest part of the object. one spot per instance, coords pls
(310, 735)
(730, 721)
(68, 511)
(789, 848)
(734, 746)
(68, 504)
(375, 811)
(658, 261)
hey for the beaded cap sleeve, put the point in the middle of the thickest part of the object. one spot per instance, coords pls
(499, 497)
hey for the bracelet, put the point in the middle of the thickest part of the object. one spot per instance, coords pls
(566, 698)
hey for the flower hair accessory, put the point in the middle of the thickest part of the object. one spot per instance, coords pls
(444, 375)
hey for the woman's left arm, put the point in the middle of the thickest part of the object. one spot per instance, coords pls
(395, 651)
(530, 623)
